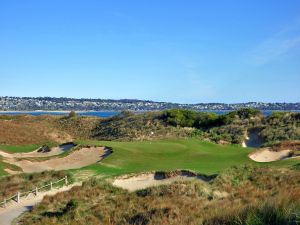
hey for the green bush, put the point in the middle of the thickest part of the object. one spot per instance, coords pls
(72, 114)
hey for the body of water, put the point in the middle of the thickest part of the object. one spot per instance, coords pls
(106, 114)
(38, 113)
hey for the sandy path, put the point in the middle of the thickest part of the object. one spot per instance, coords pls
(266, 155)
(77, 159)
(54, 151)
(14, 210)
(143, 181)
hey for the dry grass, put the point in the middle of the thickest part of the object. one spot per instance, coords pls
(79, 127)
(26, 129)
(253, 194)
(25, 182)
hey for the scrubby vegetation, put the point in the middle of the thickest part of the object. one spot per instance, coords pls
(281, 126)
(240, 195)
(228, 128)
(164, 141)
(10, 185)
(143, 126)
(78, 127)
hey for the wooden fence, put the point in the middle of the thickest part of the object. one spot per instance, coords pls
(17, 197)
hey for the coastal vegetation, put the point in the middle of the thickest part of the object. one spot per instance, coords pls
(227, 128)
(240, 195)
(10, 185)
(238, 191)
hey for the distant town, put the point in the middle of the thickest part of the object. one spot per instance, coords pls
(84, 104)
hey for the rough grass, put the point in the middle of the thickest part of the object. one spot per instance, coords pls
(25, 182)
(79, 127)
(27, 130)
(144, 126)
(264, 196)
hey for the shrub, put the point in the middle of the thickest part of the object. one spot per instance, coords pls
(72, 114)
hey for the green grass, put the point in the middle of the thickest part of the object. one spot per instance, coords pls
(140, 156)
(4, 165)
(24, 148)
(18, 148)
(191, 154)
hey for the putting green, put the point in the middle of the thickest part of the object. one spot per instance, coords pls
(192, 154)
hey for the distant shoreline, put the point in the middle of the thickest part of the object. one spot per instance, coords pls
(56, 111)
(95, 111)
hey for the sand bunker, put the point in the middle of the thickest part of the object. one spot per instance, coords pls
(53, 151)
(76, 159)
(266, 155)
(145, 180)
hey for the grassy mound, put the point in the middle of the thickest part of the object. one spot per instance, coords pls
(263, 196)
(144, 126)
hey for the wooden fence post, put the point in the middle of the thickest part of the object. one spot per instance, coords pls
(18, 197)
(66, 180)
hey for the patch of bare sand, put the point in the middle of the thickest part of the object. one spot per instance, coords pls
(267, 155)
(12, 172)
(77, 159)
(142, 181)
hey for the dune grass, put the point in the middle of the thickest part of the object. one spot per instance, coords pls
(240, 195)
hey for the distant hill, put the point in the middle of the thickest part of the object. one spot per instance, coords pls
(84, 104)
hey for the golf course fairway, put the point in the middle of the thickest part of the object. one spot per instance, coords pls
(191, 154)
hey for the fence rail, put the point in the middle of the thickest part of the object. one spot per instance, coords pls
(17, 197)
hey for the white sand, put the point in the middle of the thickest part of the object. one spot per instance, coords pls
(143, 181)
(266, 155)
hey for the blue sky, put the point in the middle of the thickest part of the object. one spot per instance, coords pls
(185, 51)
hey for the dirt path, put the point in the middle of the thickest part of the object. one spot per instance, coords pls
(14, 210)
(77, 159)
